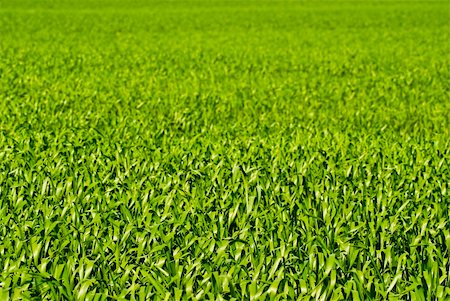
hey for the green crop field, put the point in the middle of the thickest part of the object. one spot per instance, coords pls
(224, 150)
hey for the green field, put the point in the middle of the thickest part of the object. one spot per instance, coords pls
(224, 150)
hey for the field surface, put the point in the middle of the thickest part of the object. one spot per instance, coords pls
(212, 150)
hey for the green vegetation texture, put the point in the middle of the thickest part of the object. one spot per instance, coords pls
(239, 150)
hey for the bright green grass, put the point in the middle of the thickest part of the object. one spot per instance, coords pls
(224, 150)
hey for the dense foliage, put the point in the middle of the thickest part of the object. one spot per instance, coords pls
(224, 150)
